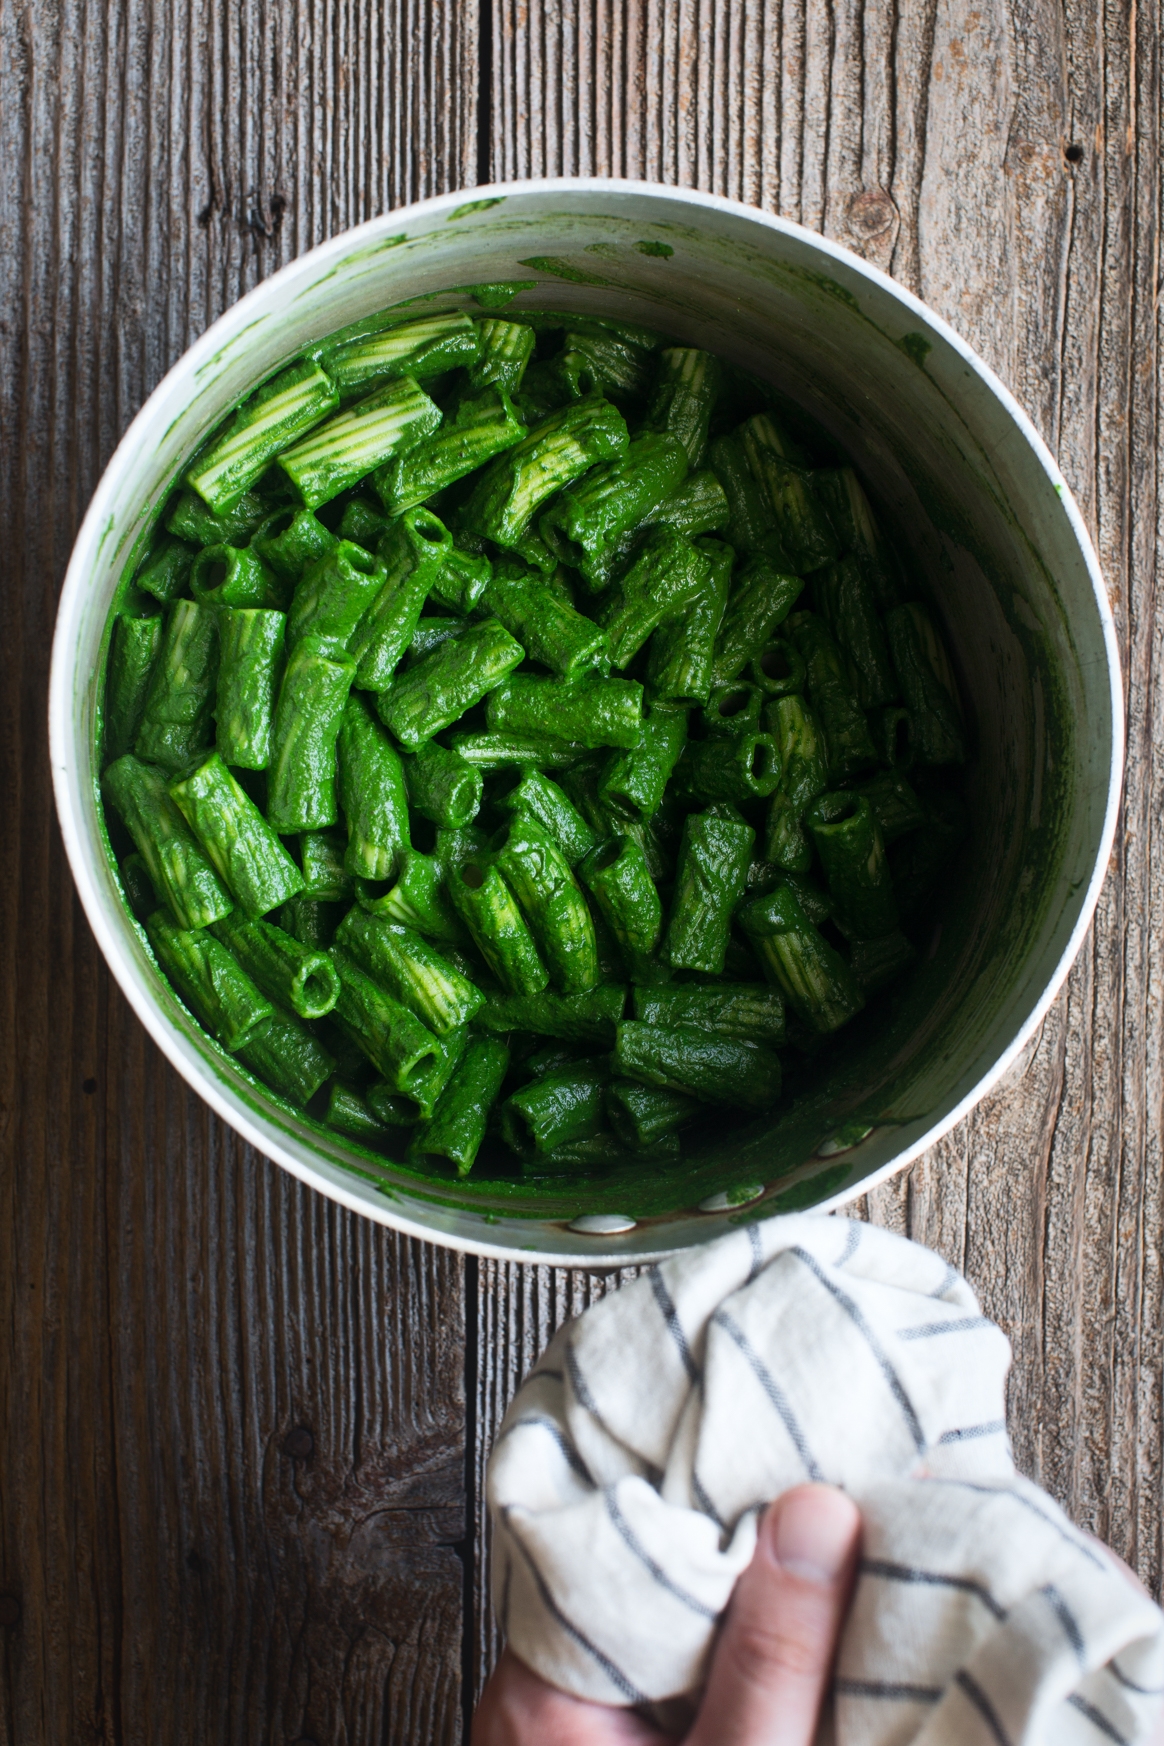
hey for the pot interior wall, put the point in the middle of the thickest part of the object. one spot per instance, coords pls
(975, 514)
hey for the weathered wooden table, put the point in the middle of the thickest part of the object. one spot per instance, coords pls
(241, 1432)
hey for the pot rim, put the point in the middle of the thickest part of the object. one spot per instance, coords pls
(69, 804)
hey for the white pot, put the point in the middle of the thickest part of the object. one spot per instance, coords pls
(958, 474)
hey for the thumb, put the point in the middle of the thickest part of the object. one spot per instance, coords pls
(772, 1662)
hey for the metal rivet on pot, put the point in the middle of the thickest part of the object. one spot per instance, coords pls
(601, 1224)
(844, 1140)
(731, 1197)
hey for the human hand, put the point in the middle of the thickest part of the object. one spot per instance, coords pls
(770, 1667)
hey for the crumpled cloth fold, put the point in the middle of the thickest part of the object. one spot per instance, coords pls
(629, 1473)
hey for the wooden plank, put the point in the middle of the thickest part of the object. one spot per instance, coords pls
(518, 1309)
(231, 1416)
(931, 136)
(1056, 1182)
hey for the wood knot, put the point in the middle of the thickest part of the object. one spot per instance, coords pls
(299, 1444)
(872, 212)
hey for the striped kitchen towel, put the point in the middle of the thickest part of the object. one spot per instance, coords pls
(629, 1472)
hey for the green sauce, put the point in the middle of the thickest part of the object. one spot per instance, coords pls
(589, 492)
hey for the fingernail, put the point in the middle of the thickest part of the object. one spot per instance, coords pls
(813, 1531)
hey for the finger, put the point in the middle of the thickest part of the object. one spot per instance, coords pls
(518, 1708)
(772, 1663)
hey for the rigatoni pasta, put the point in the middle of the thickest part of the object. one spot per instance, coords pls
(520, 741)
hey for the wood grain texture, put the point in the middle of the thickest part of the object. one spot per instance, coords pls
(233, 1474)
(231, 1415)
(932, 137)
(518, 1309)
